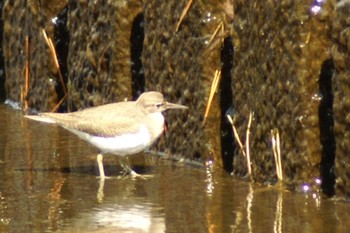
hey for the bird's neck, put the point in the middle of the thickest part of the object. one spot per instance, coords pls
(156, 119)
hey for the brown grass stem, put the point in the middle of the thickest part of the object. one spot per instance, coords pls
(213, 88)
(221, 25)
(276, 147)
(184, 12)
(236, 135)
(247, 146)
(26, 81)
(54, 57)
(246, 151)
(57, 65)
(59, 103)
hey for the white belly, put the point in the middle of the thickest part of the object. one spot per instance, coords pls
(121, 145)
(130, 143)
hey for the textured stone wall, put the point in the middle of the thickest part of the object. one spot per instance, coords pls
(341, 84)
(28, 19)
(99, 61)
(181, 64)
(279, 50)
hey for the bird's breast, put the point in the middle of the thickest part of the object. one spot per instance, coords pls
(155, 124)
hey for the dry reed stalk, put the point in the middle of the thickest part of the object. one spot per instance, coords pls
(24, 95)
(59, 103)
(57, 65)
(277, 153)
(247, 146)
(213, 88)
(221, 25)
(184, 12)
(53, 52)
(45, 36)
(54, 56)
(236, 135)
(245, 152)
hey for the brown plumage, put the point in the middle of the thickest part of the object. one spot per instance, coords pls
(120, 128)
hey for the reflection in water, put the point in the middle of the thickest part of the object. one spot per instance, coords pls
(209, 180)
(250, 197)
(128, 217)
(49, 184)
(277, 226)
(100, 192)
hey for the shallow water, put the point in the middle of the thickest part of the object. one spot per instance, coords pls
(49, 184)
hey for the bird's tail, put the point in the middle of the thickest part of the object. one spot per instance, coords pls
(40, 118)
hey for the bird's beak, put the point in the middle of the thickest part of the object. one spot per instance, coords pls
(168, 105)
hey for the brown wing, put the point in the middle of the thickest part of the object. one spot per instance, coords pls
(106, 120)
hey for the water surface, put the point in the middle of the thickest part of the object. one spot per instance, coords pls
(49, 184)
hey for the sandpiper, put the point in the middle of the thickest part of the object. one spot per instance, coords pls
(121, 128)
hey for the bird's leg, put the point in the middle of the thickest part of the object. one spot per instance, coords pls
(125, 164)
(100, 166)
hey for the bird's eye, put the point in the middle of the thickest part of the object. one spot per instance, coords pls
(158, 105)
